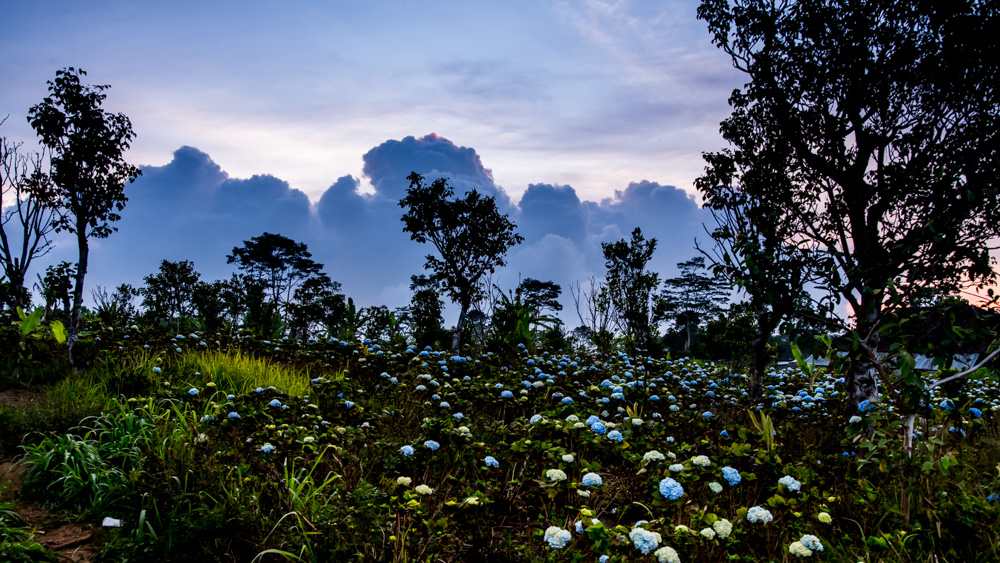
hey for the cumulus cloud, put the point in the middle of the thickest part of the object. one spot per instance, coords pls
(191, 209)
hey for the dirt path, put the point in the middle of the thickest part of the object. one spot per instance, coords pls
(73, 541)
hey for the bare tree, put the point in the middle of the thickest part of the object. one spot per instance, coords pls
(28, 220)
(593, 307)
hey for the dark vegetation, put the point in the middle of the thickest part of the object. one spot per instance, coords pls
(268, 417)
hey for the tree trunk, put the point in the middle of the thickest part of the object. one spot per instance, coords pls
(73, 329)
(758, 354)
(456, 341)
(862, 373)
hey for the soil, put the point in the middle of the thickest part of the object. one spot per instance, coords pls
(18, 397)
(73, 541)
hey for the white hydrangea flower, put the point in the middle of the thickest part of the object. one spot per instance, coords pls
(723, 528)
(555, 475)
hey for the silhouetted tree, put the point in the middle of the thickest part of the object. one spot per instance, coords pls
(692, 299)
(88, 169)
(19, 175)
(630, 287)
(168, 293)
(882, 119)
(470, 235)
(424, 313)
(278, 263)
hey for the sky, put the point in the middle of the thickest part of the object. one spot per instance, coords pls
(585, 119)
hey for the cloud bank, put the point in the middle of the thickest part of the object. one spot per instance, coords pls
(191, 209)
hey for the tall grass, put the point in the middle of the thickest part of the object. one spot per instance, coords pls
(239, 373)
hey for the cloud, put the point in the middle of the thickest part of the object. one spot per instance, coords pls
(191, 209)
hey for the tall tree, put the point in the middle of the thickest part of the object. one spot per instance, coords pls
(469, 233)
(168, 294)
(424, 313)
(278, 263)
(19, 172)
(630, 287)
(885, 120)
(88, 169)
(755, 250)
(693, 298)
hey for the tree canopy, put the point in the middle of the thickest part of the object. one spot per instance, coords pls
(877, 125)
(88, 170)
(469, 234)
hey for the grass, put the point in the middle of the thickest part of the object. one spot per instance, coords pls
(301, 452)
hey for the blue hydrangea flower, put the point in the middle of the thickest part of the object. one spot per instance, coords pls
(567, 400)
(671, 489)
(193, 392)
(233, 415)
(592, 419)
(506, 394)
(707, 414)
(275, 403)
(592, 480)
(432, 445)
(267, 448)
(615, 436)
(731, 475)
(157, 370)
(598, 428)
(947, 404)
(535, 418)
(407, 450)
(866, 405)
(811, 542)
(975, 412)
(644, 540)
(790, 482)
(458, 416)
(349, 404)
(491, 461)
(258, 390)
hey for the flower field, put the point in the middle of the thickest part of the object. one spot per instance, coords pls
(241, 450)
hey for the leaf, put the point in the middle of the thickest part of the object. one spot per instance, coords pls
(58, 331)
(30, 324)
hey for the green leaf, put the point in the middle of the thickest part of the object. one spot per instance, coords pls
(30, 324)
(58, 331)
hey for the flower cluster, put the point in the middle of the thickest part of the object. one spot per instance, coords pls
(671, 489)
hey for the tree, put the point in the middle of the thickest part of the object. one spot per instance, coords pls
(756, 251)
(882, 119)
(115, 309)
(318, 303)
(55, 288)
(278, 263)
(692, 298)
(168, 293)
(19, 173)
(593, 307)
(88, 169)
(469, 234)
(424, 313)
(540, 295)
(630, 287)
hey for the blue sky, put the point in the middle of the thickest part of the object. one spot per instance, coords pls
(585, 118)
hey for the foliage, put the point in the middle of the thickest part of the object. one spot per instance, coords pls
(876, 125)
(168, 294)
(279, 265)
(469, 234)
(237, 448)
(88, 169)
(630, 286)
(692, 299)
